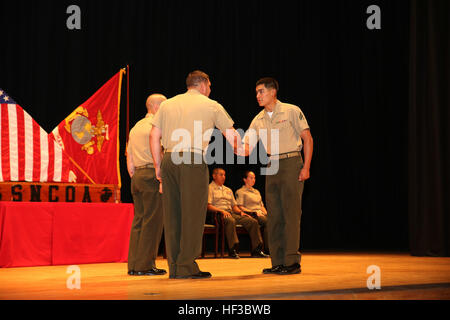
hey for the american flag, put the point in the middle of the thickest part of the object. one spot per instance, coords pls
(28, 153)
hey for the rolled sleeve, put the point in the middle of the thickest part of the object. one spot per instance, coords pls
(298, 120)
(222, 119)
(210, 195)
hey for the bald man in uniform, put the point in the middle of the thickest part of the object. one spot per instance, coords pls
(284, 188)
(147, 225)
(185, 124)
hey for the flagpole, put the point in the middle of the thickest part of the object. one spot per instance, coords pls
(128, 101)
(79, 168)
(122, 71)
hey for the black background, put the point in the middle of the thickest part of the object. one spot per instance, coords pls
(350, 82)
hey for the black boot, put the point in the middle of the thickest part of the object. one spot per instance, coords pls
(233, 252)
(258, 253)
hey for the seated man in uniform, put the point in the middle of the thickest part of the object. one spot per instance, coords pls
(221, 200)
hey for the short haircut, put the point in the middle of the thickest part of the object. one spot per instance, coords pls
(216, 170)
(269, 83)
(246, 174)
(195, 78)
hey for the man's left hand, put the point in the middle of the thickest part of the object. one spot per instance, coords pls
(304, 174)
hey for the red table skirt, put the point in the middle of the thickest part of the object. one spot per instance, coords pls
(58, 233)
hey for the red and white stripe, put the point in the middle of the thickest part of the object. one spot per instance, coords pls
(28, 153)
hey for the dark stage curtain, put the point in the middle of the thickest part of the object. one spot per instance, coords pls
(351, 82)
(429, 120)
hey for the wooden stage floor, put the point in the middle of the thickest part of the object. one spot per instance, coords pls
(325, 276)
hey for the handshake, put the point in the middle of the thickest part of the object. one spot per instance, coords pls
(234, 138)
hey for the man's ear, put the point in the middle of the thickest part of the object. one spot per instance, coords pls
(202, 88)
(273, 92)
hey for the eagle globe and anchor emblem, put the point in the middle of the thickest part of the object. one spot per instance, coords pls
(83, 131)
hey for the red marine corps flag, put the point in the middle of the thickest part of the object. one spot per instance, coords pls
(90, 135)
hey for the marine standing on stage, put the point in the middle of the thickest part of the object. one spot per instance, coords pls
(284, 188)
(147, 225)
(185, 123)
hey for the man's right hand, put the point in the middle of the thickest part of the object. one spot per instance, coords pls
(158, 177)
(225, 214)
(158, 173)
